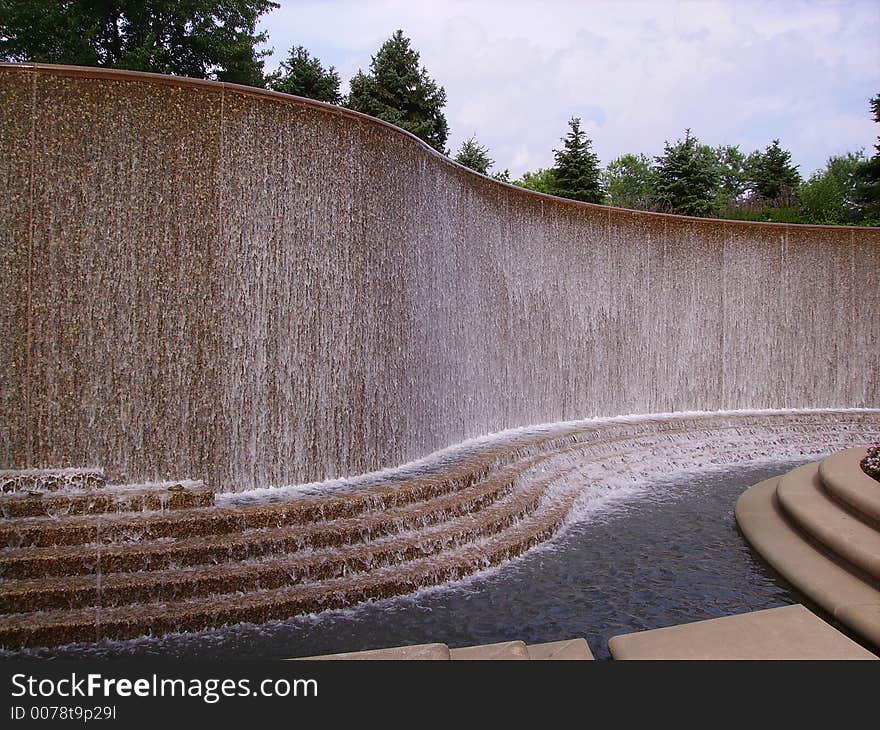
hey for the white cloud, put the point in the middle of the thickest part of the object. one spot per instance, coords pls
(637, 72)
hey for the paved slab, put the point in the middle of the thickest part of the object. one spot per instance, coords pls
(570, 650)
(504, 650)
(418, 652)
(790, 632)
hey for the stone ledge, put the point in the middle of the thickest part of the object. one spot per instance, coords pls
(50, 480)
(158, 497)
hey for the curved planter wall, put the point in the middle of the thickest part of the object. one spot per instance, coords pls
(205, 280)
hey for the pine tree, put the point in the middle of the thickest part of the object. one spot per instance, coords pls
(401, 93)
(867, 191)
(770, 173)
(686, 178)
(576, 174)
(303, 75)
(473, 155)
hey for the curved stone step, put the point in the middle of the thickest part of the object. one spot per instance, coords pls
(49, 531)
(163, 497)
(805, 501)
(49, 628)
(445, 478)
(115, 589)
(47, 480)
(844, 479)
(155, 554)
(280, 526)
(811, 570)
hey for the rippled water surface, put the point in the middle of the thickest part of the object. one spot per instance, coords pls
(659, 553)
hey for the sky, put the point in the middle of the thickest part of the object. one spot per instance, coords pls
(637, 73)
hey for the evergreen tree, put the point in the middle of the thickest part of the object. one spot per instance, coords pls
(473, 155)
(770, 173)
(867, 192)
(687, 178)
(303, 75)
(576, 174)
(630, 182)
(199, 38)
(401, 93)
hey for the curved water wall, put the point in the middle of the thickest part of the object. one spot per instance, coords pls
(205, 280)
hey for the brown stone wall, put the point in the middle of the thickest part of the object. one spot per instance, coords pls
(200, 280)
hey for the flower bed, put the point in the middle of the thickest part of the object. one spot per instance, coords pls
(871, 462)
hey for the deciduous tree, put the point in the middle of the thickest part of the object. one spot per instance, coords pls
(199, 38)
(830, 195)
(629, 182)
(732, 177)
(541, 180)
